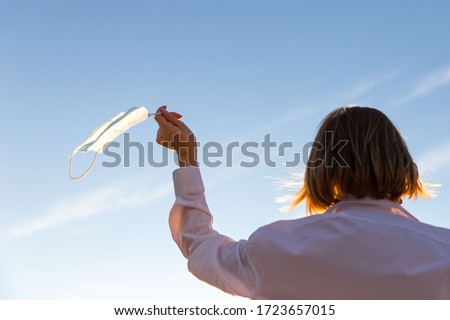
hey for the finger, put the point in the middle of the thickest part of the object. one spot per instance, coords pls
(160, 111)
(177, 115)
(173, 119)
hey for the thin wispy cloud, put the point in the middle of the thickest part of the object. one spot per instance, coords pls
(367, 85)
(431, 82)
(86, 205)
(358, 90)
(434, 159)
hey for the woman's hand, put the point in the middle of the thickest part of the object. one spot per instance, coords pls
(175, 135)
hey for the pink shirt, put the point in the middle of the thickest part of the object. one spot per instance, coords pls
(358, 249)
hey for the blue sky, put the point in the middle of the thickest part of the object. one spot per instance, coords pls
(236, 70)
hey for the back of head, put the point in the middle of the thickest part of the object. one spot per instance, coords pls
(359, 152)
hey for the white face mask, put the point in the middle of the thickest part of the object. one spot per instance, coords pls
(107, 132)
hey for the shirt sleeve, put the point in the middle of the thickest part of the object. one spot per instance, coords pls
(212, 257)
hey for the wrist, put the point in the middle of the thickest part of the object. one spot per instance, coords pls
(187, 157)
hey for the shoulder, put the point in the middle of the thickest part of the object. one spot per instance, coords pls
(282, 231)
(345, 225)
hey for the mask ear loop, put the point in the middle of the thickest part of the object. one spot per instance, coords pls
(86, 172)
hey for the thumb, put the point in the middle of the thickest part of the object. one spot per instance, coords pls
(163, 122)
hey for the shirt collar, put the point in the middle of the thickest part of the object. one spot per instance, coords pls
(370, 204)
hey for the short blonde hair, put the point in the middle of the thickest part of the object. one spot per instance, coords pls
(374, 162)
